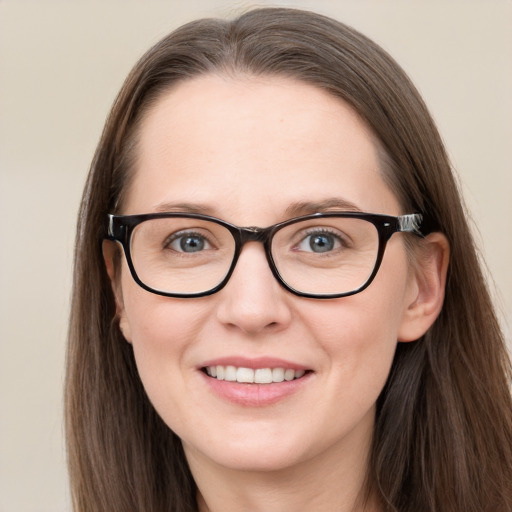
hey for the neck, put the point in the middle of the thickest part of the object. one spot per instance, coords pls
(331, 481)
(278, 494)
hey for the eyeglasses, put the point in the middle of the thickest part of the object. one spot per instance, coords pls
(322, 256)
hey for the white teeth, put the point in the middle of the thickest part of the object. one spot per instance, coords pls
(263, 376)
(250, 376)
(230, 373)
(278, 375)
(220, 372)
(289, 374)
(245, 375)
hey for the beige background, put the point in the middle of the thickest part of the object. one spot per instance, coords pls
(61, 63)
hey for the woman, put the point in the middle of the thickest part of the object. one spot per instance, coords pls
(341, 353)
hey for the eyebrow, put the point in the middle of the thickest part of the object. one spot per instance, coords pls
(332, 204)
(295, 209)
(200, 208)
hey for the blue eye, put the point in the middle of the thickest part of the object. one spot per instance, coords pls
(319, 242)
(188, 242)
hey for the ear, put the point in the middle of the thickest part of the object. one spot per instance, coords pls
(112, 264)
(427, 287)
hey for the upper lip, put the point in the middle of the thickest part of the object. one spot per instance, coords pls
(254, 363)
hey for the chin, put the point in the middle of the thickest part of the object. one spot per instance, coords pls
(260, 462)
(243, 453)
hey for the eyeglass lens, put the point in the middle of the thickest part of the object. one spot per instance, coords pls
(331, 255)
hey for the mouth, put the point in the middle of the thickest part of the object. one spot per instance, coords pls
(245, 375)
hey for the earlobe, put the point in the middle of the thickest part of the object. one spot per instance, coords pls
(428, 287)
(110, 255)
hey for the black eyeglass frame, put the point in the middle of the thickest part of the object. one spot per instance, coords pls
(120, 229)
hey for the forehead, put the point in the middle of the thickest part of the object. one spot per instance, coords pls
(241, 144)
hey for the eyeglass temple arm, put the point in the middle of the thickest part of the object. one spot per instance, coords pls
(115, 231)
(412, 223)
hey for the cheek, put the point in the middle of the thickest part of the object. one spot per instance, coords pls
(359, 333)
(161, 326)
(162, 332)
(364, 319)
(359, 340)
(151, 320)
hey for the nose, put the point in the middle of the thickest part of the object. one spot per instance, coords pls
(253, 301)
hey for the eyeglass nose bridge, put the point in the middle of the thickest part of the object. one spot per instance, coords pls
(253, 234)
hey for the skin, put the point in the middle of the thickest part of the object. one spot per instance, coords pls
(245, 150)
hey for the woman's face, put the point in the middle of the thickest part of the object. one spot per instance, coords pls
(250, 151)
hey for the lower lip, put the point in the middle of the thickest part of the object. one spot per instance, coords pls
(255, 395)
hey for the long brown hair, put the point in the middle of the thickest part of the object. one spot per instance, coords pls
(443, 434)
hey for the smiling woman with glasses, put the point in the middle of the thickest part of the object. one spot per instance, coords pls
(277, 301)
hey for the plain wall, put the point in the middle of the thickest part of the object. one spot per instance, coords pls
(61, 64)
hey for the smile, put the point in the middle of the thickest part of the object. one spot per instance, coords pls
(253, 376)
